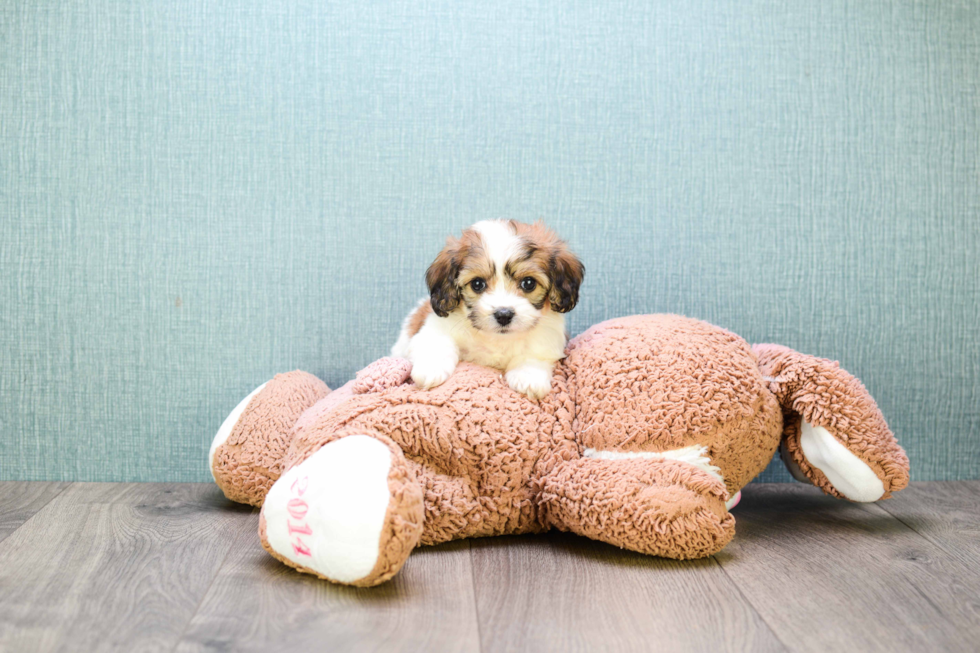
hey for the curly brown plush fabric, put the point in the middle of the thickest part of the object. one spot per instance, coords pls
(670, 509)
(663, 382)
(250, 460)
(473, 441)
(819, 391)
(652, 424)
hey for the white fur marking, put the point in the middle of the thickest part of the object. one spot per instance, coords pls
(433, 352)
(531, 378)
(501, 245)
(849, 475)
(692, 455)
(347, 495)
(499, 240)
(228, 425)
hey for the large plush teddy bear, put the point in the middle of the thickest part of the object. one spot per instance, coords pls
(653, 425)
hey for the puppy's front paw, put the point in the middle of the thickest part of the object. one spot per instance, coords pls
(432, 372)
(530, 380)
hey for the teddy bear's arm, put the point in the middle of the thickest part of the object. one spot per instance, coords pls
(659, 507)
(384, 373)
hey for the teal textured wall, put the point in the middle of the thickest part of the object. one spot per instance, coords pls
(195, 195)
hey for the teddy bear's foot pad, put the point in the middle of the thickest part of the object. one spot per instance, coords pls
(326, 515)
(849, 475)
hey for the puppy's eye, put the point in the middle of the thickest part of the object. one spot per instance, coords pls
(528, 284)
(478, 285)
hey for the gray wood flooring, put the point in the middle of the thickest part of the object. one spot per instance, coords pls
(176, 567)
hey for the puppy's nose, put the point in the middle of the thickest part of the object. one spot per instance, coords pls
(503, 316)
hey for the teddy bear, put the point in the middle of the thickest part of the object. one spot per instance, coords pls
(653, 425)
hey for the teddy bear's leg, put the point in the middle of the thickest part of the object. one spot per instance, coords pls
(834, 435)
(351, 512)
(247, 452)
(659, 507)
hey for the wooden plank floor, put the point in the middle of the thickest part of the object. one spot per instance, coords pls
(176, 567)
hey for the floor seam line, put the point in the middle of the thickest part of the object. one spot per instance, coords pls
(915, 530)
(68, 484)
(749, 603)
(207, 590)
(476, 607)
(931, 542)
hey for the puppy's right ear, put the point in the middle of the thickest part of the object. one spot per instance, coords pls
(441, 278)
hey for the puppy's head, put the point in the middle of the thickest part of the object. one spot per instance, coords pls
(504, 275)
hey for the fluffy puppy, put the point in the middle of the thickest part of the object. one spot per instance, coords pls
(497, 296)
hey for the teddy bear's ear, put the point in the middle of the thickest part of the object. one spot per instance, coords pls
(442, 277)
(567, 273)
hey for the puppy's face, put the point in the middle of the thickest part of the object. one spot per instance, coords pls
(504, 275)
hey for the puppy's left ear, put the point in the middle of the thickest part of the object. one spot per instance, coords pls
(567, 273)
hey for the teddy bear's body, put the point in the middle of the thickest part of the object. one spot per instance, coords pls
(653, 424)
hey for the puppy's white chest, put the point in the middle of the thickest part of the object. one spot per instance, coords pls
(498, 355)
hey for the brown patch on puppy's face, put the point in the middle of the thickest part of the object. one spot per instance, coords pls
(443, 275)
(551, 255)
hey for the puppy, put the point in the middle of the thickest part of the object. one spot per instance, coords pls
(497, 296)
